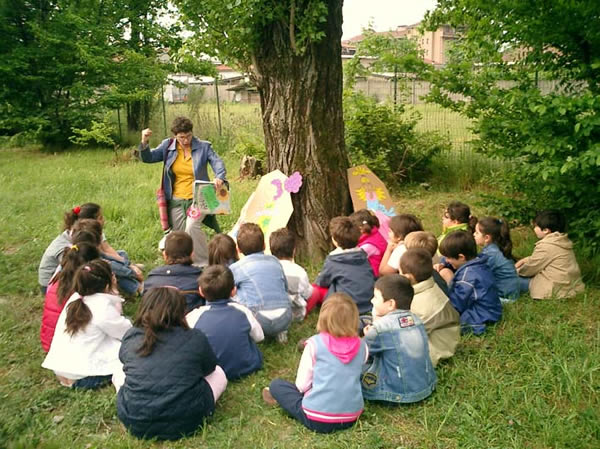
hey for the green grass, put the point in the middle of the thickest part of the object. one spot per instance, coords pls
(530, 382)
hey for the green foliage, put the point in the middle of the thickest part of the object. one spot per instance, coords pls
(550, 139)
(250, 145)
(100, 133)
(384, 138)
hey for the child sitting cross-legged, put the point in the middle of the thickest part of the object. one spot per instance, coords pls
(346, 268)
(473, 290)
(427, 241)
(261, 284)
(552, 269)
(326, 396)
(431, 304)
(400, 226)
(178, 271)
(170, 380)
(230, 327)
(371, 241)
(282, 244)
(399, 369)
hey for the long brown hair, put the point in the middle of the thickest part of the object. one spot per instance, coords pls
(499, 232)
(73, 257)
(91, 278)
(87, 210)
(161, 308)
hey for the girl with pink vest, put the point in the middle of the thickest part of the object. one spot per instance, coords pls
(371, 240)
(318, 399)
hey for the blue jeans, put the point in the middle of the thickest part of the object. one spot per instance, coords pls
(92, 382)
(290, 399)
(272, 327)
(524, 284)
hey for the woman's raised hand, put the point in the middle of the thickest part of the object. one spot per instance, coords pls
(146, 133)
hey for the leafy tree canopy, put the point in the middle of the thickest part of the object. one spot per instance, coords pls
(551, 137)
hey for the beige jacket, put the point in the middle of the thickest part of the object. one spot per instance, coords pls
(553, 269)
(441, 320)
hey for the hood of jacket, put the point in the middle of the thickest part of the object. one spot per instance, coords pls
(352, 256)
(558, 239)
(344, 348)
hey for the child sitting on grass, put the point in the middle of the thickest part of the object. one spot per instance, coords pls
(400, 226)
(427, 241)
(230, 327)
(282, 244)
(170, 380)
(178, 271)
(473, 290)
(552, 269)
(399, 369)
(431, 304)
(326, 396)
(222, 250)
(494, 235)
(456, 217)
(371, 241)
(346, 268)
(85, 348)
(261, 283)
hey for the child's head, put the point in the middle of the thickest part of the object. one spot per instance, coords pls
(222, 250)
(339, 316)
(392, 292)
(365, 220)
(216, 282)
(344, 232)
(457, 213)
(282, 244)
(87, 225)
(422, 239)
(161, 308)
(91, 278)
(250, 239)
(178, 248)
(72, 258)
(87, 210)
(458, 248)
(402, 225)
(549, 221)
(416, 265)
(494, 230)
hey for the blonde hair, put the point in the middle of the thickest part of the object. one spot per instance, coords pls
(339, 316)
(422, 239)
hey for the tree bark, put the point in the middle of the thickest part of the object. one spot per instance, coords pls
(301, 103)
(138, 115)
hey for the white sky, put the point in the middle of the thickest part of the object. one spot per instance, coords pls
(384, 14)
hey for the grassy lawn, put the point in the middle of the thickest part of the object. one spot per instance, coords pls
(532, 381)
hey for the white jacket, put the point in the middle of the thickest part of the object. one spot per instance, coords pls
(94, 350)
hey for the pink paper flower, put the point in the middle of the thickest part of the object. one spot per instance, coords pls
(293, 183)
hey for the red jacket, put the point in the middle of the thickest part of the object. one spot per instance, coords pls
(50, 315)
(377, 240)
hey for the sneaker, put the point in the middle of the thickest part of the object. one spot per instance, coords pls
(282, 337)
(268, 397)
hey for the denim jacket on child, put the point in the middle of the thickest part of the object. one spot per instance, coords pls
(505, 273)
(400, 369)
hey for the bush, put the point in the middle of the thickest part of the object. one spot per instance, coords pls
(384, 138)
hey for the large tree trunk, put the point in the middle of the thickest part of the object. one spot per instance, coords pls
(138, 115)
(301, 102)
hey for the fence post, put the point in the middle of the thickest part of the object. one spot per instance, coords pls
(162, 97)
(218, 105)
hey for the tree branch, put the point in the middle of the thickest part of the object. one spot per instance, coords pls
(292, 27)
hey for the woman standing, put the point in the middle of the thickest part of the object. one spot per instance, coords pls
(186, 158)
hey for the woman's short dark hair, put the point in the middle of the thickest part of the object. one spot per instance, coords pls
(182, 125)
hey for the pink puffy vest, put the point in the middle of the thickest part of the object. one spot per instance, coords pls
(376, 239)
(50, 315)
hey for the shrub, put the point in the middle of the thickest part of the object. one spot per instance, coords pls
(384, 138)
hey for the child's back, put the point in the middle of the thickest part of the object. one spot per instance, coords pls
(182, 276)
(439, 317)
(553, 268)
(503, 269)
(349, 271)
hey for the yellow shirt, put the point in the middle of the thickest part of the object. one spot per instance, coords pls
(183, 171)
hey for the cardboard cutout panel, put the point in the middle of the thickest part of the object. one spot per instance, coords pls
(369, 192)
(270, 206)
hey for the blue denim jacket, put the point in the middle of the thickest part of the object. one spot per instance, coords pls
(505, 273)
(202, 154)
(261, 283)
(400, 370)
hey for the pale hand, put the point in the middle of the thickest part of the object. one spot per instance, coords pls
(367, 328)
(146, 133)
(218, 183)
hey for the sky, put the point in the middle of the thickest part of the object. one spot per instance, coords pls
(384, 14)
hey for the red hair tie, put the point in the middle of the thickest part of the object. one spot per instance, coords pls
(76, 210)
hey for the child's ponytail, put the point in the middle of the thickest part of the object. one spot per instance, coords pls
(365, 220)
(72, 259)
(93, 277)
(499, 232)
